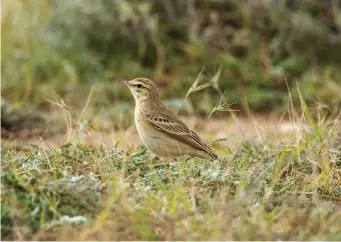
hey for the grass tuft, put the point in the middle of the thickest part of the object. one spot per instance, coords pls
(268, 191)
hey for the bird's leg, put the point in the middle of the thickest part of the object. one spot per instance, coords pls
(170, 159)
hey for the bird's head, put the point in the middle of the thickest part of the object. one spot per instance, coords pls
(142, 89)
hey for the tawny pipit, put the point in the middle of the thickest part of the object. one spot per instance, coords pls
(160, 130)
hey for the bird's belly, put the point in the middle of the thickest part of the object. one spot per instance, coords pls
(159, 143)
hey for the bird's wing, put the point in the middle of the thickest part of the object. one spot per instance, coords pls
(169, 124)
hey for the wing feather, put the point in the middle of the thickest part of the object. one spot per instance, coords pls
(179, 131)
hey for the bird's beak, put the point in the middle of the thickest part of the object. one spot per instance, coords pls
(124, 82)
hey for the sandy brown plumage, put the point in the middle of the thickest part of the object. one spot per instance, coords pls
(160, 129)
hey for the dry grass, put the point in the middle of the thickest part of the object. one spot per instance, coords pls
(269, 190)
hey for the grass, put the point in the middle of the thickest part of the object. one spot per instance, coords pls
(59, 57)
(266, 191)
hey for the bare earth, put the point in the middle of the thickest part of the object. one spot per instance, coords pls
(229, 131)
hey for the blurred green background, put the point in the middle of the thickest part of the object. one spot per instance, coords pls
(255, 46)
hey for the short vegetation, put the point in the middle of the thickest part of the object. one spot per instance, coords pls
(61, 62)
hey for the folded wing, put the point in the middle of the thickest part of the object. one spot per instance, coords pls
(179, 131)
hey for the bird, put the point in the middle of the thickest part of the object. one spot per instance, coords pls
(161, 130)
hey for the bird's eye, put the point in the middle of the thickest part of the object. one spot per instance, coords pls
(139, 85)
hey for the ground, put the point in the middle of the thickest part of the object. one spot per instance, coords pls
(73, 168)
(279, 180)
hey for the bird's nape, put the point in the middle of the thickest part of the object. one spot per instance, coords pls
(161, 130)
